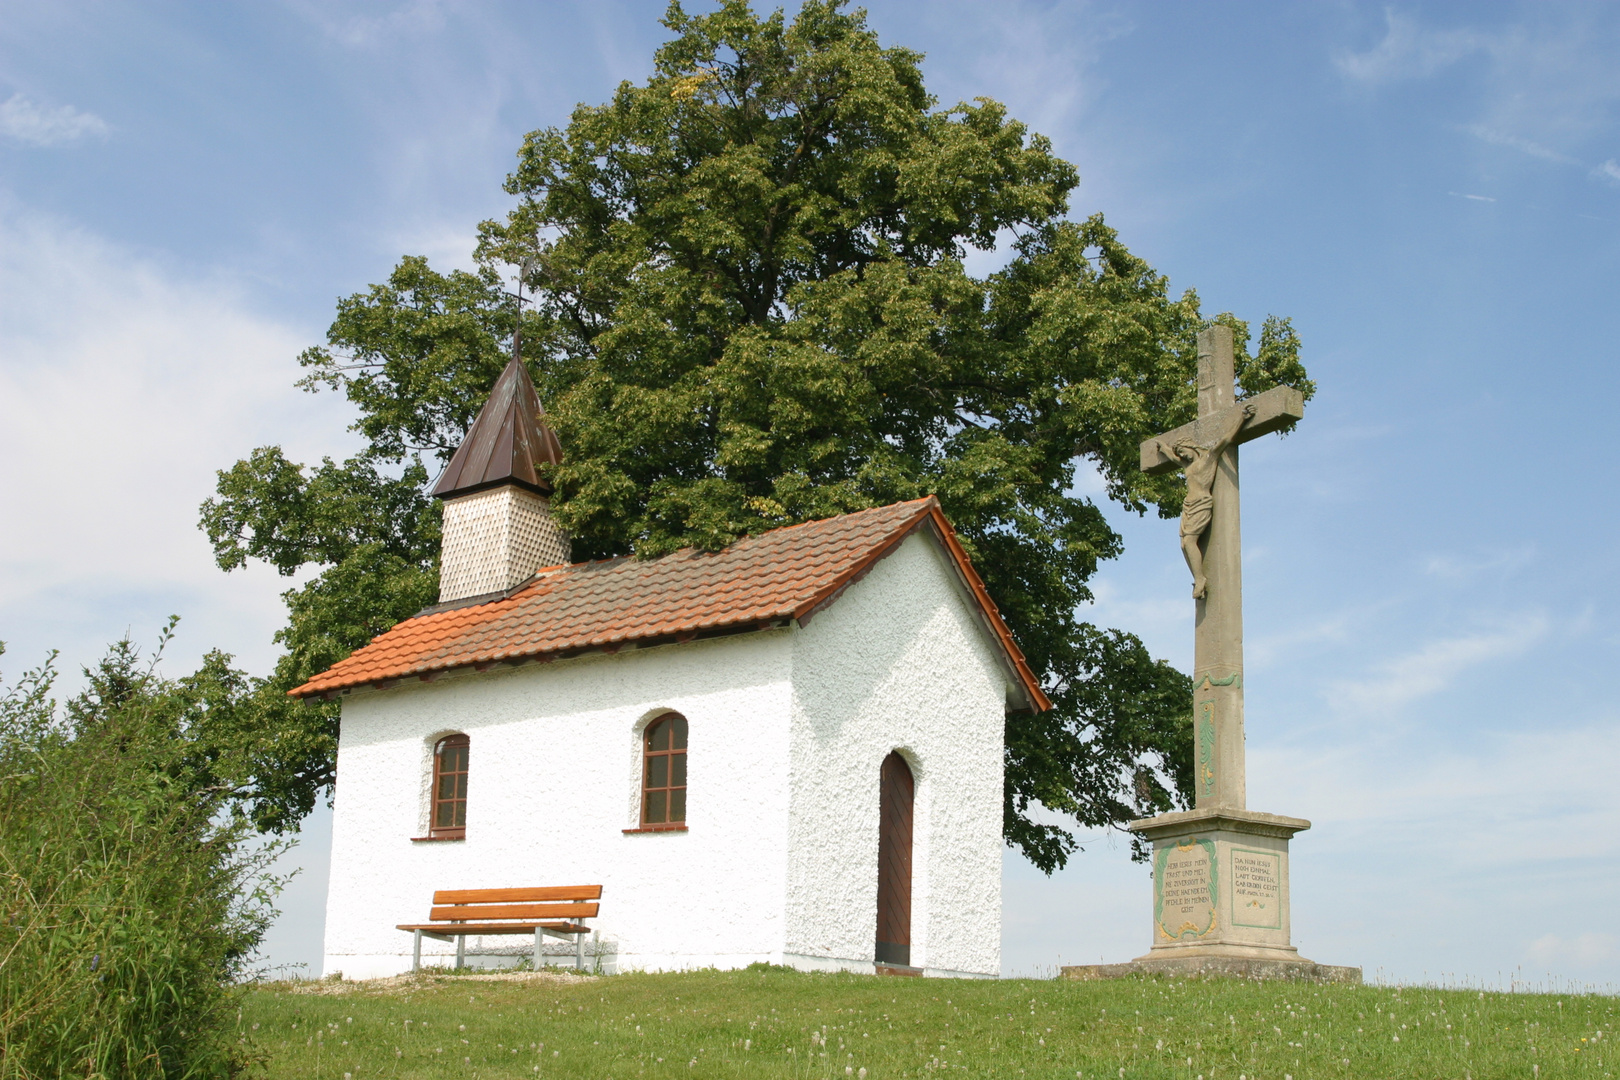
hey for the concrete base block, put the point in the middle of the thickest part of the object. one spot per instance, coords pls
(1230, 967)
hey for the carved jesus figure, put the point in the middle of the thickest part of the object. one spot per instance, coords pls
(1200, 461)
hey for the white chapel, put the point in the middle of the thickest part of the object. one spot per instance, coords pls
(787, 751)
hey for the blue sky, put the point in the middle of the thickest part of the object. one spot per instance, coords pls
(1431, 192)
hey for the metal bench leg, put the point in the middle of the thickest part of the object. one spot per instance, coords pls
(461, 951)
(416, 952)
(538, 934)
(579, 952)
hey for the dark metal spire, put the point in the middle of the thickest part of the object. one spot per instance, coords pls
(506, 443)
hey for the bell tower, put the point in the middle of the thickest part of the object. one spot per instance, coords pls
(498, 528)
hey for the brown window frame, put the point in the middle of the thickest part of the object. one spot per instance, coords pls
(458, 796)
(661, 802)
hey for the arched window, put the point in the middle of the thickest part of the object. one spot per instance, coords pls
(663, 774)
(450, 788)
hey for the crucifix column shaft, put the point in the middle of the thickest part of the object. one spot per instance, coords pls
(1218, 638)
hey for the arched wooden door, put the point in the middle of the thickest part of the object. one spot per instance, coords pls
(896, 793)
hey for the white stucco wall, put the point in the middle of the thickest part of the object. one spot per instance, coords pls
(899, 662)
(788, 729)
(553, 782)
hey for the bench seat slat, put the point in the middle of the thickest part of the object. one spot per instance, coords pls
(515, 911)
(519, 896)
(476, 929)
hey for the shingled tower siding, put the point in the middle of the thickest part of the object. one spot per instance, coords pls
(496, 538)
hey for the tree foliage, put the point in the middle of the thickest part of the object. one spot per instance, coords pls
(751, 309)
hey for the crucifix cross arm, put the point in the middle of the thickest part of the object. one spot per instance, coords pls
(1274, 410)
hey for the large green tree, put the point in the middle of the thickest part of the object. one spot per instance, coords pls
(750, 310)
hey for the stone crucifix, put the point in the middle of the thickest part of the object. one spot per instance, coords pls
(1207, 449)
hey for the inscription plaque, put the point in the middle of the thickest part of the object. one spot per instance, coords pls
(1257, 889)
(1184, 884)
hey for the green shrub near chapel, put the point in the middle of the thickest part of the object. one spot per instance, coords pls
(130, 900)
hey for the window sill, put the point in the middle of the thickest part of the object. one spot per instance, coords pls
(679, 826)
(437, 839)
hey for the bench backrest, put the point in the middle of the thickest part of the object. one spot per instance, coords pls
(522, 905)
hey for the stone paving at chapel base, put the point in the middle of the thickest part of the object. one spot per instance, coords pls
(1234, 967)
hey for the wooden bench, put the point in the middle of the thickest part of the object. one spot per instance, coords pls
(460, 913)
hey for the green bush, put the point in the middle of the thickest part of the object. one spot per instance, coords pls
(131, 897)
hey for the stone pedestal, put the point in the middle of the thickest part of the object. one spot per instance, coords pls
(1220, 884)
(1220, 900)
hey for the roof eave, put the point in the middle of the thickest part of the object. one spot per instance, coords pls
(429, 673)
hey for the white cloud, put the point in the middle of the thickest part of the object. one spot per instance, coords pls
(123, 387)
(1267, 650)
(1040, 60)
(1434, 666)
(1525, 146)
(1408, 51)
(446, 246)
(28, 122)
(1499, 844)
(1528, 788)
(1550, 85)
(1493, 562)
(1609, 170)
(369, 30)
(1574, 954)
(1494, 850)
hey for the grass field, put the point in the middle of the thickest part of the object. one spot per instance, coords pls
(778, 1023)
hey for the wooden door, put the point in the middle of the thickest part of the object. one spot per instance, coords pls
(896, 792)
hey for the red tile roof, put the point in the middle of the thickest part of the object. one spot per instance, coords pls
(757, 582)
